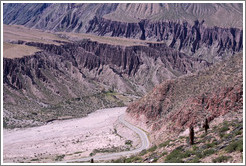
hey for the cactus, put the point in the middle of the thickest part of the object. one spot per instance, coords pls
(206, 126)
(192, 134)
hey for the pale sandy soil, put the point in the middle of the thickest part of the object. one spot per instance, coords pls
(74, 138)
(17, 32)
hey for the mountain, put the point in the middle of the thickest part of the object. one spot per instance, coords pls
(176, 104)
(173, 65)
(186, 27)
(69, 17)
(128, 50)
(75, 70)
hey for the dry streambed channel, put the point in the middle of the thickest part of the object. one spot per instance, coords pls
(102, 135)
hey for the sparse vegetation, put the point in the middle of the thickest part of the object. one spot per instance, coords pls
(235, 146)
(175, 156)
(206, 146)
(108, 150)
(152, 149)
(133, 159)
(59, 157)
(35, 159)
(164, 144)
(221, 159)
(128, 142)
(208, 152)
(143, 152)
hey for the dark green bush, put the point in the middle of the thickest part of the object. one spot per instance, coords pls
(194, 160)
(208, 152)
(221, 159)
(235, 146)
(143, 152)
(175, 156)
(152, 149)
(164, 144)
(164, 153)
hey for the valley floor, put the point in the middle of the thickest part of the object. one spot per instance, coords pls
(98, 133)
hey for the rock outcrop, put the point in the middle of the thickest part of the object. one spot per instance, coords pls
(176, 104)
(191, 36)
(88, 55)
(75, 17)
(182, 36)
(88, 71)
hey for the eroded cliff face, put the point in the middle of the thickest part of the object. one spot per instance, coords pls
(176, 104)
(94, 57)
(60, 73)
(195, 39)
(174, 24)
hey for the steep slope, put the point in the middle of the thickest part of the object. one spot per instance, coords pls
(63, 80)
(193, 39)
(223, 143)
(176, 104)
(75, 16)
(56, 17)
(222, 15)
(208, 31)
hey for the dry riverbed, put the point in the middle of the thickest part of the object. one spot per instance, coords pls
(99, 132)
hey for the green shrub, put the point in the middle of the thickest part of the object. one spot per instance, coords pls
(224, 128)
(128, 142)
(163, 153)
(238, 133)
(164, 144)
(175, 156)
(120, 160)
(199, 155)
(235, 146)
(211, 145)
(143, 152)
(152, 149)
(227, 135)
(208, 152)
(194, 160)
(187, 153)
(133, 159)
(59, 157)
(35, 159)
(5, 124)
(203, 135)
(222, 134)
(174, 160)
(194, 147)
(221, 159)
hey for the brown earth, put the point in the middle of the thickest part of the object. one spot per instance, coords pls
(176, 104)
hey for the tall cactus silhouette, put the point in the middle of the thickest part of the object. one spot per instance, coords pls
(192, 134)
(206, 126)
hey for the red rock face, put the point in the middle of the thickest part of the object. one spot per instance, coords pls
(176, 104)
(224, 100)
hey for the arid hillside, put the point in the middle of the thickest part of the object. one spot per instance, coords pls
(62, 80)
(176, 104)
(76, 17)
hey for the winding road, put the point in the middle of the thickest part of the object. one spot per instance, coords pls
(144, 145)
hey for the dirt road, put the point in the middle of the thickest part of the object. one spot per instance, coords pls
(75, 139)
(144, 145)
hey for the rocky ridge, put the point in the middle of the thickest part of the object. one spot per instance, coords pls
(188, 35)
(68, 73)
(174, 105)
(197, 39)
